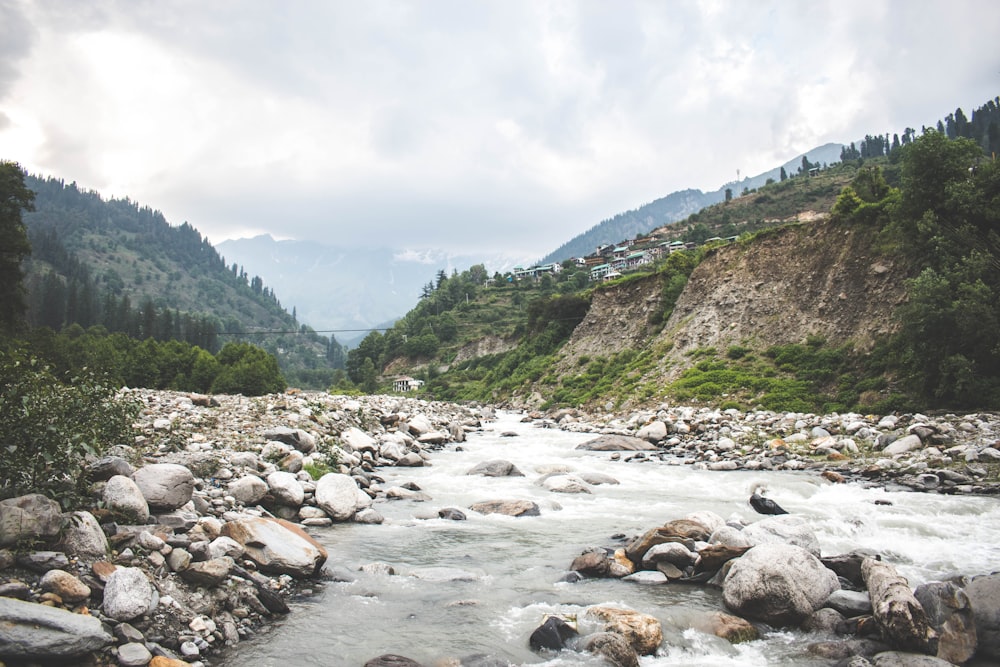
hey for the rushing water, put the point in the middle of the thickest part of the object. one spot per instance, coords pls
(513, 566)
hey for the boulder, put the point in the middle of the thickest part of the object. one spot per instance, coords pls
(107, 467)
(508, 507)
(949, 612)
(134, 654)
(83, 537)
(165, 486)
(286, 489)
(850, 603)
(552, 635)
(208, 573)
(780, 584)
(70, 589)
(34, 632)
(726, 626)
(611, 646)
(128, 594)
(984, 595)
(903, 445)
(783, 529)
(29, 518)
(337, 495)
(495, 468)
(277, 546)
(902, 659)
(617, 443)
(295, 437)
(122, 496)
(642, 631)
(358, 440)
(392, 660)
(654, 431)
(248, 489)
(565, 484)
(418, 425)
(674, 553)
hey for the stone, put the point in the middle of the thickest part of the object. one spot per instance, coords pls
(43, 561)
(178, 560)
(617, 443)
(225, 546)
(984, 596)
(29, 518)
(551, 635)
(565, 484)
(642, 631)
(655, 431)
(165, 486)
(729, 537)
(902, 659)
(780, 584)
(612, 647)
(902, 445)
(133, 654)
(825, 620)
(392, 660)
(163, 661)
(591, 563)
(277, 546)
(714, 556)
(248, 489)
(647, 577)
(208, 573)
(411, 460)
(122, 496)
(726, 626)
(850, 603)
(452, 514)
(107, 467)
(296, 437)
(783, 529)
(949, 612)
(674, 553)
(509, 507)
(34, 631)
(337, 495)
(495, 468)
(128, 594)
(286, 489)
(83, 537)
(65, 585)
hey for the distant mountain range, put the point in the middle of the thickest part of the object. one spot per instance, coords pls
(676, 207)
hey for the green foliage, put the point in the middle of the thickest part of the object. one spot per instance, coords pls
(14, 198)
(248, 370)
(50, 425)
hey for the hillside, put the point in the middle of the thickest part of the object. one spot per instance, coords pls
(122, 266)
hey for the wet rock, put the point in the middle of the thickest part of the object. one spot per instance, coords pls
(824, 620)
(128, 594)
(850, 603)
(392, 660)
(34, 631)
(901, 659)
(591, 563)
(648, 578)
(565, 484)
(165, 486)
(552, 635)
(642, 631)
(617, 443)
(133, 654)
(669, 552)
(28, 518)
(949, 612)
(83, 537)
(277, 546)
(781, 584)
(984, 595)
(509, 507)
(495, 468)
(714, 556)
(612, 647)
(731, 628)
(452, 514)
(783, 529)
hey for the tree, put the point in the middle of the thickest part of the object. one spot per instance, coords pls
(729, 194)
(783, 174)
(14, 245)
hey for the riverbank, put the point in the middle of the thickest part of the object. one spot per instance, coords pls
(212, 584)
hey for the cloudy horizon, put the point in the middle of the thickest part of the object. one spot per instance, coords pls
(513, 125)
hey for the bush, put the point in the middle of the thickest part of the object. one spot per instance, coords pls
(49, 428)
(248, 370)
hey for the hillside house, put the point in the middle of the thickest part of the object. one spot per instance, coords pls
(535, 272)
(406, 383)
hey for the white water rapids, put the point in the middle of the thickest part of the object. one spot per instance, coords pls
(517, 563)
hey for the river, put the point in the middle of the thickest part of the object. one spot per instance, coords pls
(511, 567)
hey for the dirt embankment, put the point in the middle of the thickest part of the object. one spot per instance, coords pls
(815, 279)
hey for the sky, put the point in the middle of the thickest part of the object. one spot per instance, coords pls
(461, 125)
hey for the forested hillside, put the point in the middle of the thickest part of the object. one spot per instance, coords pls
(869, 285)
(122, 267)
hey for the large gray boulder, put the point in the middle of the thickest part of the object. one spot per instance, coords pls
(507, 507)
(337, 495)
(34, 631)
(286, 488)
(495, 468)
(165, 486)
(949, 612)
(783, 529)
(654, 431)
(29, 518)
(984, 594)
(122, 496)
(248, 489)
(83, 537)
(128, 594)
(617, 443)
(277, 546)
(296, 437)
(780, 584)
(358, 441)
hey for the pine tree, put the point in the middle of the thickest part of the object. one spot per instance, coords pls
(14, 245)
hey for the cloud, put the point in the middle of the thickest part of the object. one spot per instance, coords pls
(449, 124)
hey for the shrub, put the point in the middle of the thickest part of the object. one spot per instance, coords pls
(48, 428)
(248, 370)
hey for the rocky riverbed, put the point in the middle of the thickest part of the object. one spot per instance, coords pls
(198, 531)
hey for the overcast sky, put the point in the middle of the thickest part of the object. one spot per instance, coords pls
(506, 125)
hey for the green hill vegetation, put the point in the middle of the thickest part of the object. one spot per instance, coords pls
(930, 202)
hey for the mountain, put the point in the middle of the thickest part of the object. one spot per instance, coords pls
(348, 290)
(677, 206)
